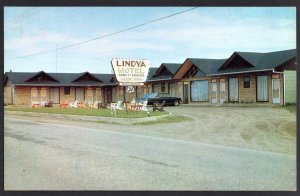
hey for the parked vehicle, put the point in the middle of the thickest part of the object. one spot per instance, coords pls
(160, 98)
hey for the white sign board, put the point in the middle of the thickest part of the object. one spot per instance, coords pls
(130, 71)
(131, 83)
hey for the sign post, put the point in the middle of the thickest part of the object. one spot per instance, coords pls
(130, 72)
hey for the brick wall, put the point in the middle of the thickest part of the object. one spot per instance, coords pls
(7, 95)
(22, 95)
(246, 95)
(63, 97)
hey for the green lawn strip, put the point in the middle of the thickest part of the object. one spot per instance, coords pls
(90, 112)
(291, 108)
(167, 119)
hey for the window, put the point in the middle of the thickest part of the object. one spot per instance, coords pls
(155, 88)
(199, 90)
(172, 90)
(163, 87)
(246, 81)
(67, 90)
(262, 88)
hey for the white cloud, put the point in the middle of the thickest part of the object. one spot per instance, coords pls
(192, 34)
(26, 45)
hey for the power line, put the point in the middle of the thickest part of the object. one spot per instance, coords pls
(107, 35)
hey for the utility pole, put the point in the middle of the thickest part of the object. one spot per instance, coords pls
(56, 57)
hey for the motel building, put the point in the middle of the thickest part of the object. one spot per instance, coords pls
(245, 77)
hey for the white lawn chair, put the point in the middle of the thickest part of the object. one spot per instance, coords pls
(144, 107)
(116, 106)
(93, 105)
(43, 103)
(73, 104)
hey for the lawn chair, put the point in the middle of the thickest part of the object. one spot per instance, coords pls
(35, 104)
(43, 103)
(49, 104)
(102, 106)
(74, 104)
(93, 105)
(144, 107)
(64, 104)
(82, 105)
(116, 106)
(131, 105)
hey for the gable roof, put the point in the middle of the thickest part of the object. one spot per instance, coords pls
(159, 74)
(87, 74)
(39, 74)
(63, 79)
(171, 67)
(151, 72)
(19, 77)
(106, 78)
(268, 60)
(205, 66)
(259, 61)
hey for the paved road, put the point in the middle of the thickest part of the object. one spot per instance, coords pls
(45, 156)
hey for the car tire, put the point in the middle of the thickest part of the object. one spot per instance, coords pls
(176, 103)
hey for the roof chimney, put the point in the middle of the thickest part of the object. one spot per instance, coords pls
(10, 70)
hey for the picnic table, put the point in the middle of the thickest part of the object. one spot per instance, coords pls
(102, 106)
(158, 106)
(134, 106)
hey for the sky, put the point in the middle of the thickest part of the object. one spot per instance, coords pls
(204, 32)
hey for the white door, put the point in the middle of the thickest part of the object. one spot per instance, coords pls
(222, 92)
(262, 88)
(214, 92)
(276, 90)
(44, 96)
(54, 95)
(90, 95)
(172, 91)
(34, 96)
(233, 89)
(99, 96)
(79, 94)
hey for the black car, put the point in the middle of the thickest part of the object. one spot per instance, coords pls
(160, 98)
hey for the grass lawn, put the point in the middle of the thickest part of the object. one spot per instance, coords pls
(166, 119)
(291, 107)
(88, 112)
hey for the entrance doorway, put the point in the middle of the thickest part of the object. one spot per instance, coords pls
(185, 93)
(262, 88)
(233, 89)
(276, 90)
(214, 92)
(79, 94)
(222, 92)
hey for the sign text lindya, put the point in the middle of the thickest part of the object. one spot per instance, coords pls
(128, 70)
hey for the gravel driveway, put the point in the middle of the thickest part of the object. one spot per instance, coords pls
(260, 128)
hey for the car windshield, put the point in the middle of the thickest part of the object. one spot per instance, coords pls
(150, 95)
(164, 95)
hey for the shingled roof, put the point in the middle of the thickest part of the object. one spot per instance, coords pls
(251, 62)
(62, 79)
(164, 72)
(268, 60)
(258, 61)
(151, 72)
(172, 67)
(207, 66)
